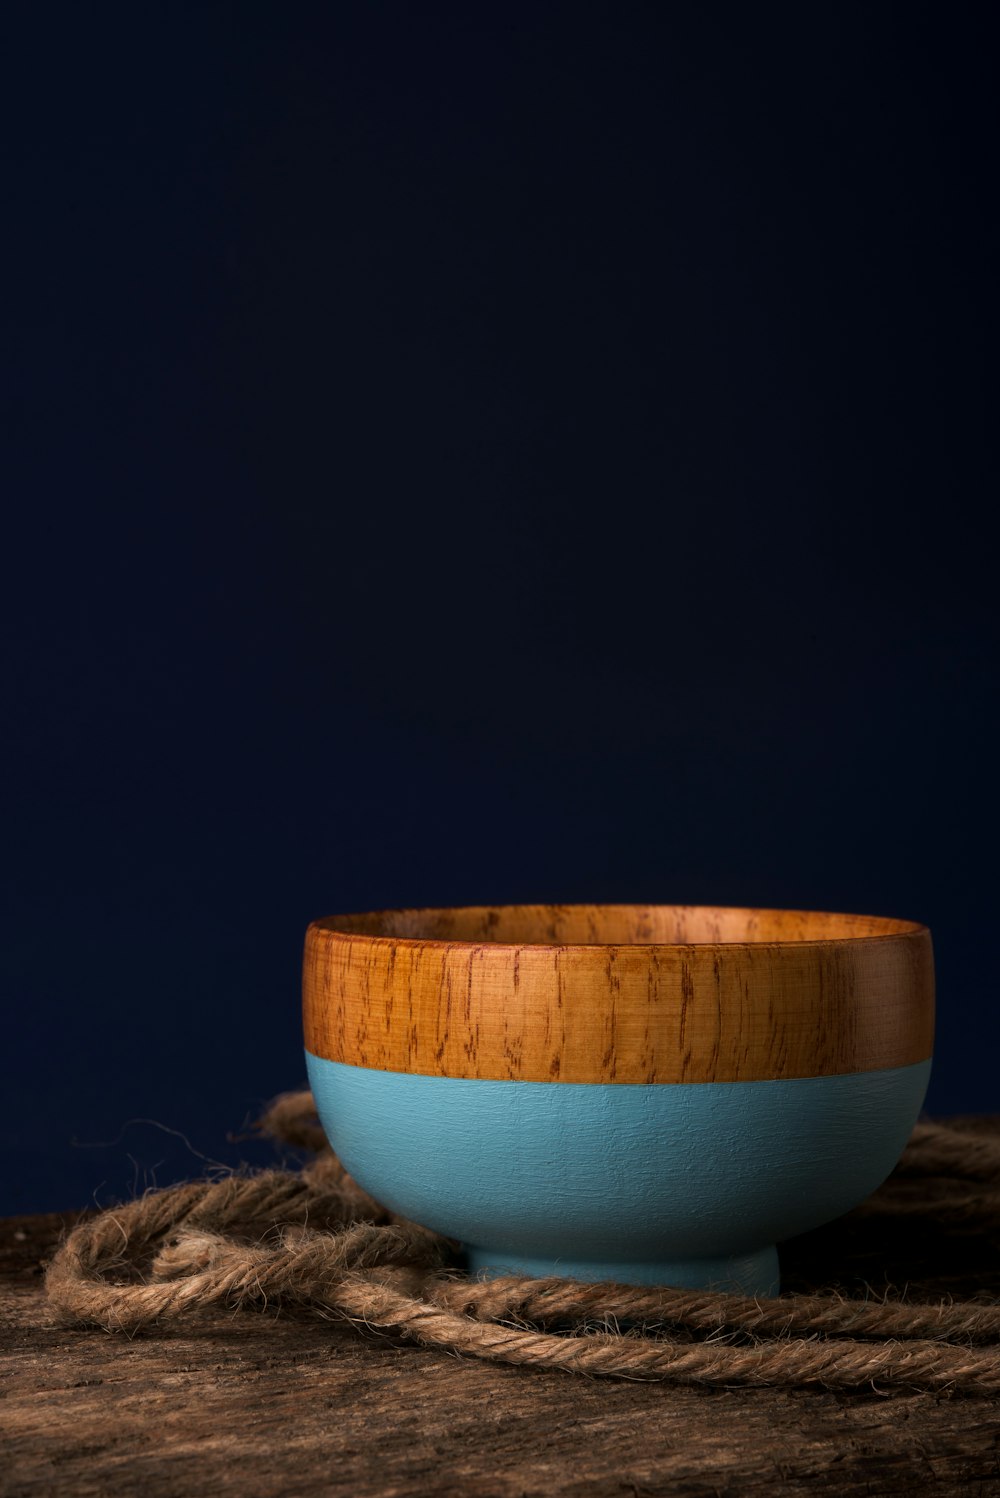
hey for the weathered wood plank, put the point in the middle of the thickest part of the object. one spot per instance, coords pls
(260, 1406)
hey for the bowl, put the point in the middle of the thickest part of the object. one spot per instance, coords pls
(653, 1094)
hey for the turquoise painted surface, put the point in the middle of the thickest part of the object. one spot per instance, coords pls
(683, 1183)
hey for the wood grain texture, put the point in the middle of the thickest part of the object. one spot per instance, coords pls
(265, 1406)
(626, 993)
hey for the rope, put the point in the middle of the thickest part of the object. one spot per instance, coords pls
(314, 1239)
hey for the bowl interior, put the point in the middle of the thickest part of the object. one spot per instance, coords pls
(618, 925)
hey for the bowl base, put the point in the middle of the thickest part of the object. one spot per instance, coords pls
(754, 1273)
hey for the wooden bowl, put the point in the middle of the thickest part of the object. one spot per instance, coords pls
(650, 1094)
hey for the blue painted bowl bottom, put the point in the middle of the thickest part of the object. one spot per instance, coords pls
(685, 1184)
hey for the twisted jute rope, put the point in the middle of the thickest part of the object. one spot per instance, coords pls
(313, 1239)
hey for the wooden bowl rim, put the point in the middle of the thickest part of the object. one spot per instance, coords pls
(332, 927)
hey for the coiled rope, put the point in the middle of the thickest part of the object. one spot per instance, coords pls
(314, 1239)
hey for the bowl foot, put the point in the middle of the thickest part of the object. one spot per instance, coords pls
(754, 1273)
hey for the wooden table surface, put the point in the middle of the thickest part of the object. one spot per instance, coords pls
(259, 1405)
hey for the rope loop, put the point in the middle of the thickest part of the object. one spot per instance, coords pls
(314, 1239)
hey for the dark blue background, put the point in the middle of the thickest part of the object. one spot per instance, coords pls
(477, 453)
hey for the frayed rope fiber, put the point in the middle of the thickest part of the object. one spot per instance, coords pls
(313, 1239)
